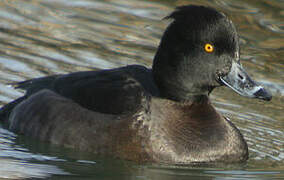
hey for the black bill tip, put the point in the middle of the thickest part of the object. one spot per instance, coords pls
(263, 94)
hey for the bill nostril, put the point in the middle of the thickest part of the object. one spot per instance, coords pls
(240, 76)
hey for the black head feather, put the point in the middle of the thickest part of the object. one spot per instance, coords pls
(181, 62)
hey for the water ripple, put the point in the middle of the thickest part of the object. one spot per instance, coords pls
(44, 37)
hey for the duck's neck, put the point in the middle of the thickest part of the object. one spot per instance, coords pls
(175, 83)
(179, 92)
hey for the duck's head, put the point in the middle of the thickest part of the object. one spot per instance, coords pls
(198, 52)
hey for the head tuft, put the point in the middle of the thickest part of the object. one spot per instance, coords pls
(195, 14)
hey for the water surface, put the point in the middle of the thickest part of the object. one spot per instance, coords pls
(44, 37)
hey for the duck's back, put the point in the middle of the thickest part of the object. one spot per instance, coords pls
(84, 110)
(114, 91)
(109, 92)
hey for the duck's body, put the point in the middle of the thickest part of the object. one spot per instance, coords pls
(153, 129)
(148, 115)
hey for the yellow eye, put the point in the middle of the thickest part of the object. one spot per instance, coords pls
(208, 48)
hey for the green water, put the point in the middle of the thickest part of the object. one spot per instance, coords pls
(44, 37)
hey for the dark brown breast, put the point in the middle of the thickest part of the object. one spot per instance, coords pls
(191, 132)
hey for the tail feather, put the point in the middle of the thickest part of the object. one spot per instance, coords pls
(34, 85)
(7, 109)
(31, 86)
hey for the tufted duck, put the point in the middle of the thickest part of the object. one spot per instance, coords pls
(161, 114)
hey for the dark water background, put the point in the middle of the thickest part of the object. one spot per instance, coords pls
(44, 37)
